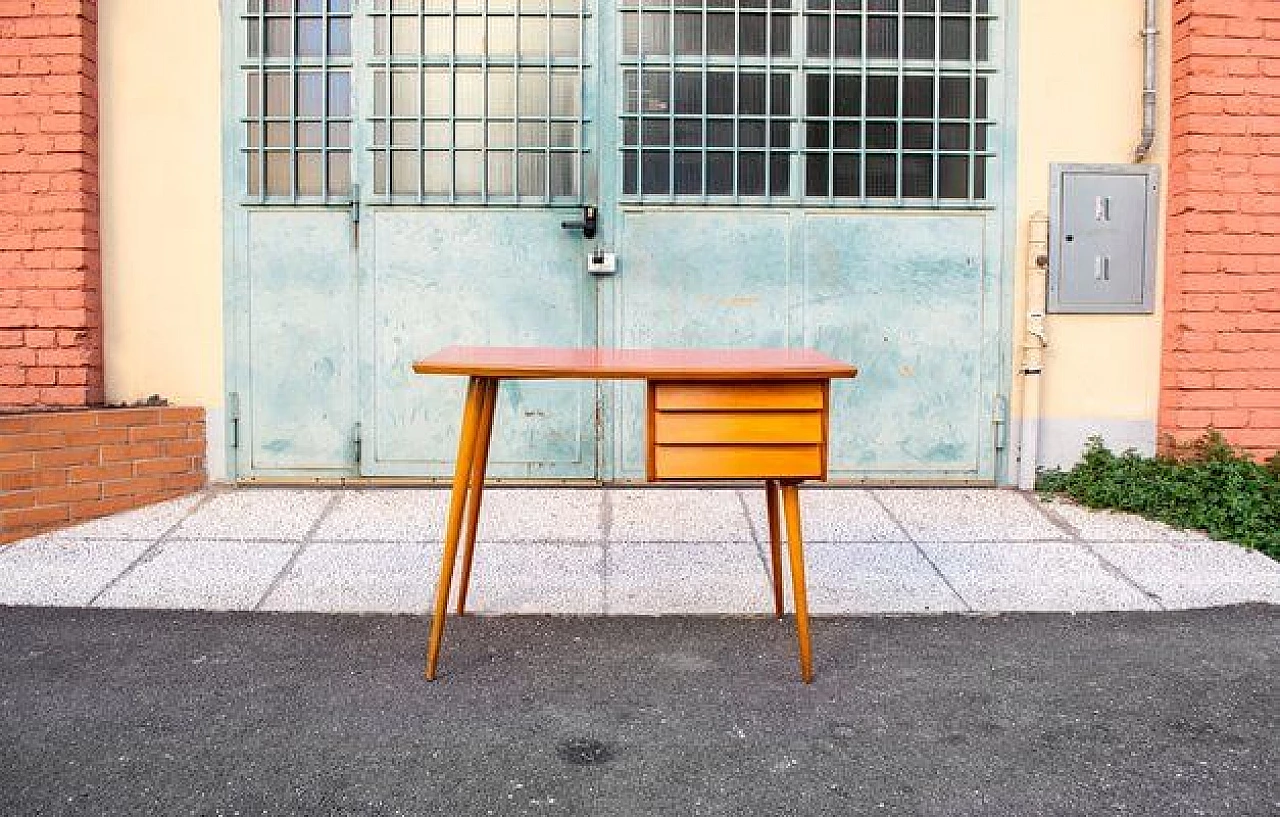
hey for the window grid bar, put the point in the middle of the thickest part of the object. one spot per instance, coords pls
(262, 107)
(580, 129)
(704, 186)
(546, 144)
(973, 100)
(388, 154)
(862, 110)
(736, 124)
(453, 102)
(671, 99)
(937, 103)
(484, 101)
(768, 101)
(516, 73)
(900, 169)
(830, 124)
(324, 103)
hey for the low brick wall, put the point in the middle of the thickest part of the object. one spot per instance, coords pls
(59, 468)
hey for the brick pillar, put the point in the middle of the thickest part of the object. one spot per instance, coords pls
(1221, 360)
(50, 271)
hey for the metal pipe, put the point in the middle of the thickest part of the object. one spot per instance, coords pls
(1150, 75)
(1033, 345)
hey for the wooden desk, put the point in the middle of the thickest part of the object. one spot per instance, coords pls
(731, 414)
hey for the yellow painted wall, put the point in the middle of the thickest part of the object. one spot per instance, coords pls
(1079, 99)
(160, 124)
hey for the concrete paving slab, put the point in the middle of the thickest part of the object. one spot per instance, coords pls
(534, 577)
(386, 515)
(201, 575)
(51, 572)
(673, 578)
(149, 523)
(968, 515)
(844, 515)
(860, 578)
(1186, 575)
(359, 577)
(680, 515)
(542, 515)
(1113, 526)
(1033, 576)
(270, 514)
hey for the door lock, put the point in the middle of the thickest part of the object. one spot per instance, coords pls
(588, 223)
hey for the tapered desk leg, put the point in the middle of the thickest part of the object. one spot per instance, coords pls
(775, 543)
(476, 494)
(791, 505)
(457, 502)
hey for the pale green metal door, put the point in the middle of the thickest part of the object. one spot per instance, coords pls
(291, 274)
(825, 173)
(403, 168)
(481, 144)
(822, 173)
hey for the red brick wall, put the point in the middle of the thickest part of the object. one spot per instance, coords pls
(57, 468)
(50, 275)
(1221, 362)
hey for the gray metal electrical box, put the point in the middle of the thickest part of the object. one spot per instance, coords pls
(1102, 238)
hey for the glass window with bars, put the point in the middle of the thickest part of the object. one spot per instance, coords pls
(479, 100)
(296, 124)
(875, 102)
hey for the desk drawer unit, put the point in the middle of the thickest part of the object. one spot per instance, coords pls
(737, 430)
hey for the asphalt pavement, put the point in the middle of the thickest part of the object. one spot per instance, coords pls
(144, 712)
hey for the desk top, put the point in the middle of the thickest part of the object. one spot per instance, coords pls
(638, 364)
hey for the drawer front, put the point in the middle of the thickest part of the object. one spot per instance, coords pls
(737, 427)
(737, 461)
(738, 396)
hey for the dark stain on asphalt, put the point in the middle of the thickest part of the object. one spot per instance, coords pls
(584, 752)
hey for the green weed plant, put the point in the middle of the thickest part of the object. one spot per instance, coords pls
(1206, 484)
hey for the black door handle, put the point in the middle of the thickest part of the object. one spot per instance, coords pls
(587, 225)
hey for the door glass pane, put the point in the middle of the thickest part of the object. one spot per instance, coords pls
(405, 171)
(435, 173)
(310, 37)
(502, 93)
(310, 174)
(340, 37)
(531, 178)
(311, 93)
(279, 37)
(278, 182)
(919, 38)
(469, 37)
(468, 169)
(502, 36)
(310, 134)
(849, 36)
(339, 94)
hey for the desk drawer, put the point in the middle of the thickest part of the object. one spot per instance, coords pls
(737, 427)
(737, 461)
(738, 396)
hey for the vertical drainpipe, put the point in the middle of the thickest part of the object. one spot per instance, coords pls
(1033, 345)
(1149, 33)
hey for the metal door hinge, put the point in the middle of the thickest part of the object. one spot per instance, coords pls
(233, 412)
(354, 213)
(359, 443)
(1000, 419)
